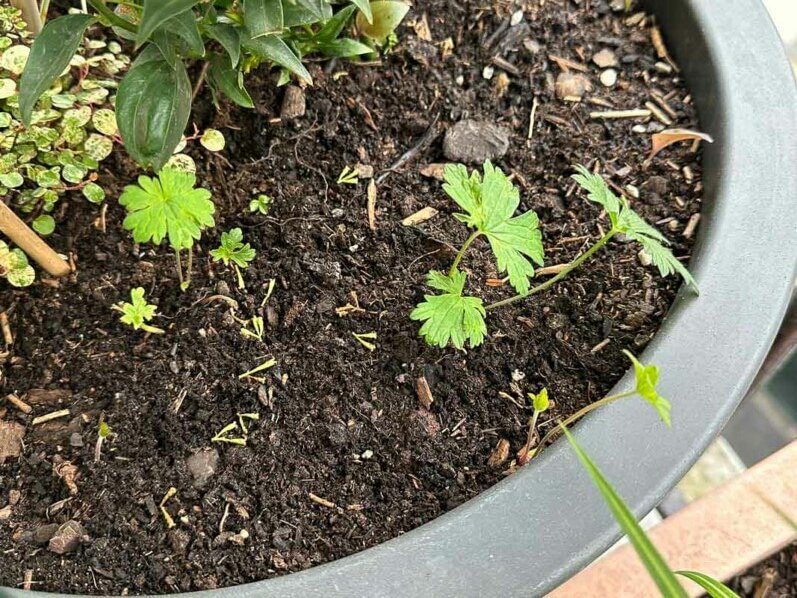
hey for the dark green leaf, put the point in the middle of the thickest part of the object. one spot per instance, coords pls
(344, 48)
(185, 26)
(148, 54)
(365, 7)
(273, 49)
(152, 109)
(167, 44)
(50, 54)
(334, 27)
(321, 9)
(263, 17)
(230, 39)
(228, 81)
(714, 588)
(657, 568)
(157, 12)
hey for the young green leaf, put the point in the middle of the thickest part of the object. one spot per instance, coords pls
(365, 8)
(450, 316)
(261, 204)
(625, 220)
(540, 401)
(647, 377)
(50, 54)
(714, 588)
(489, 204)
(657, 568)
(230, 39)
(229, 81)
(167, 206)
(386, 15)
(233, 249)
(152, 109)
(157, 12)
(138, 312)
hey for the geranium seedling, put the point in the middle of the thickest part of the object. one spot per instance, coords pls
(138, 312)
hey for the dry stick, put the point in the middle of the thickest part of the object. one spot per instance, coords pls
(19, 232)
(30, 13)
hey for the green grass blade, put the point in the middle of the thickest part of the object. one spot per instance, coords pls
(657, 568)
(714, 588)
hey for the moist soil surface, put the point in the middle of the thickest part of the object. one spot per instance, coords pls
(344, 455)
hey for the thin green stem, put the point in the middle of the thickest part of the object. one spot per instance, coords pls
(111, 16)
(45, 6)
(579, 414)
(190, 266)
(179, 266)
(473, 236)
(562, 275)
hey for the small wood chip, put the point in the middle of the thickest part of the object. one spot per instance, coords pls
(321, 501)
(658, 113)
(566, 64)
(420, 216)
(372, 204)
(434, 171)
(500, 454)
(551, 269)
(600, 346)
(6, 327)
(19, 403)
(615, 114)
(27, 579)
(691, 226)
(424, 392)
(50, 417)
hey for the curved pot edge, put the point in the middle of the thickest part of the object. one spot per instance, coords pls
(503, 543)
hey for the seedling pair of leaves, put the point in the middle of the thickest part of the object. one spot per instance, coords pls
(489, 205)
(233, 251)
(138, 312)
(228, 433)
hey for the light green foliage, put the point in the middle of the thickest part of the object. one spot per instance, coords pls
(540, 401)
(233, 249)
(167, 207)
(14, 266)
(632, 225)
(261, 204)
(647, 377)
(155, 96)
(69, 132)
(212, 140)
(348, 176)
(490, 204)
(138, 312)
(450, 317)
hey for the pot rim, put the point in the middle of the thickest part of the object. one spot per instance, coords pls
(532, 531)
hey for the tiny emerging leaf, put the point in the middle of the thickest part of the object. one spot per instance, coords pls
(233, 249)
(647, 377)
(450, 316)
(540, 401)
(138, 312)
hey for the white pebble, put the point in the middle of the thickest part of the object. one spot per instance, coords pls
(367, 455)
(488, 72)
(517, 17)
(644, 258)
(609, 77)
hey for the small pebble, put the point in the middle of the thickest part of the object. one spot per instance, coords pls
(644, 258)
(572, 85)
(605, 58)
(517, 17)
(609, 78)
(367, 455)
(488, 72)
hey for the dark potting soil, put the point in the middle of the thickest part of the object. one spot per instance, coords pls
(776, 577)
(343, 456)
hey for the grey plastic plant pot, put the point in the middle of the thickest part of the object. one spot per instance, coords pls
(535, 529)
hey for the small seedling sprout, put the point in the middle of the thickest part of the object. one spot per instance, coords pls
(234, 251)
(271, 284)
(348, 176)
(365, 338)
(260, 204)
(138, 312)
(540, 404)
(268, 364)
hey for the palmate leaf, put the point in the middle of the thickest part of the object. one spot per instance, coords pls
(489, 205)
(233, 249)
(167, 207)
(657, 567)
(450, 317)
(647, 377)
(138, 312)
(625, 220)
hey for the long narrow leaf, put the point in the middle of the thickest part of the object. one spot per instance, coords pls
(659, 570)
(50, 54)
(714, 588)
(273, 49)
